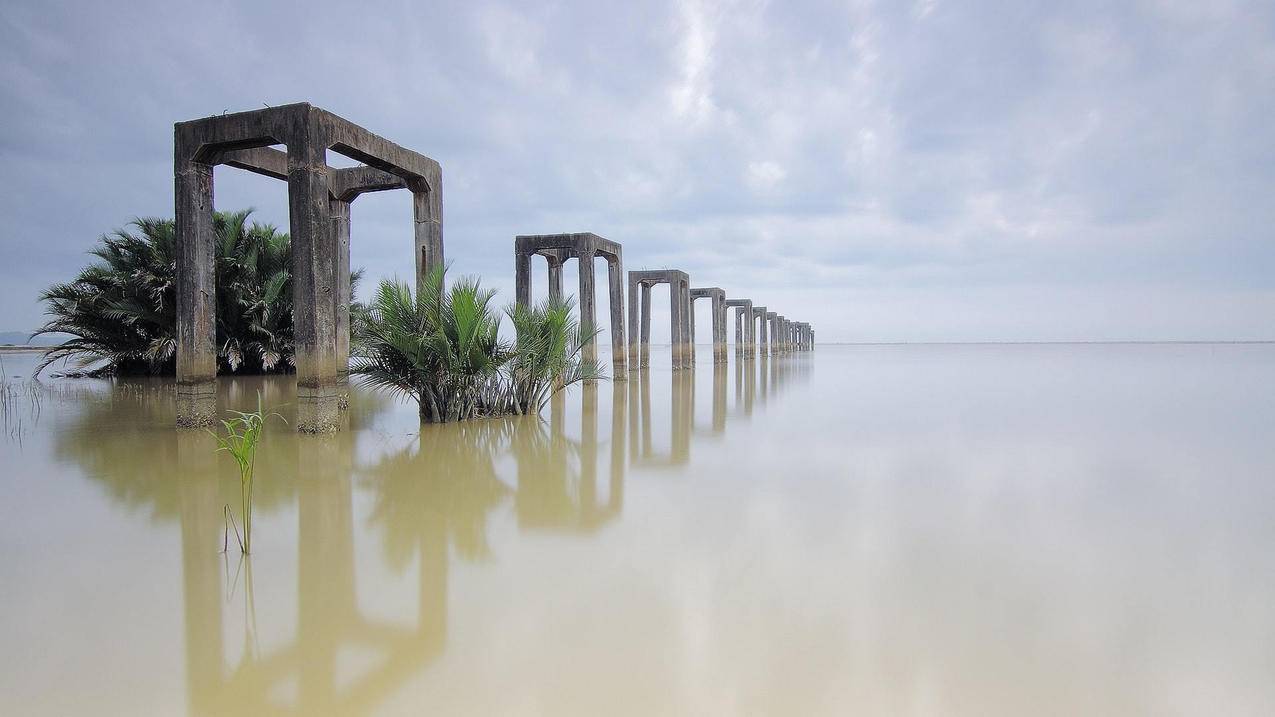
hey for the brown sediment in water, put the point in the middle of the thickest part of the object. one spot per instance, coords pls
(893, 529)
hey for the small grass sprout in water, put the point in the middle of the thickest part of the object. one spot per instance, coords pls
(243, 434)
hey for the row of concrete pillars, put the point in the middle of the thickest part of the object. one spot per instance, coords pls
(757, 330)
(319, 199)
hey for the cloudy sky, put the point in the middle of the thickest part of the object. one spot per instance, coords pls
(933, 171)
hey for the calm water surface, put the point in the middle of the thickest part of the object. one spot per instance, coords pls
(981, 530)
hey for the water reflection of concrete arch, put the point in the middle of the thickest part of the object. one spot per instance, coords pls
(558, 477)
(681, 407)
(428, 496)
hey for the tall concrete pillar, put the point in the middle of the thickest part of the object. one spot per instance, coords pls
(555, 278)
(645, 325)
(615, 284)
(635, 316)
(719, 328)
(196, 241)
(339, 211)
(314, 292)
(522, 278)
(588, 316)
(427, 211)
(679, 331)
(772, 327)
(688, 351)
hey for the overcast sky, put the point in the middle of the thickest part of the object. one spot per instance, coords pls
(934, 171)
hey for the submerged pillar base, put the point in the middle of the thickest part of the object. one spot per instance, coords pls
(197, 404)
(318, 408)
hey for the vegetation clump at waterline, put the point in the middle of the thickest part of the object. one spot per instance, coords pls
(442, 347)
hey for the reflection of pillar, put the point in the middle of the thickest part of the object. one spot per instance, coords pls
(314, 276)
(325, 568)
(588, 449)
(557, 408)
(619, 396)
(339, 211)
(588, 317)
(683, 406)
(200, 512)
(719, 397)
(645, 382)
(615, 283)
(196, 241)
(635, 399)
(750, 387)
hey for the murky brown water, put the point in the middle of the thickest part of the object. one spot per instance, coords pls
(882, 530)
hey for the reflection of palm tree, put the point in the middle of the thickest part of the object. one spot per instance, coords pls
(440, 489)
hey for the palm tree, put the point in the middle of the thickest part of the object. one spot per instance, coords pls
(121, 310)
(442, 348)
(547, 354)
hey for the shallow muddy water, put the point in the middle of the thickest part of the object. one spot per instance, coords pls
(976, 530)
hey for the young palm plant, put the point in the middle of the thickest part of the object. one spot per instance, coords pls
(547, 354)
(243, 434)
(441, 347)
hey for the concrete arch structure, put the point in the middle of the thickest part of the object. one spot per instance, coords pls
(744, 328)
(319, 200)
(718, 298)
(640, 316)
(583, 247)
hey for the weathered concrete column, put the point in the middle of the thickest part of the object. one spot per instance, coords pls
(772, 326)
(339, 211)
(196, 241)
(314, 292)
(615, 284)
(555, 278)
(588, 315)
(427, 210)
(522, 278)
(688, 351)
(646, 325)
(635, 316)
(679, 331)
(719, 328)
